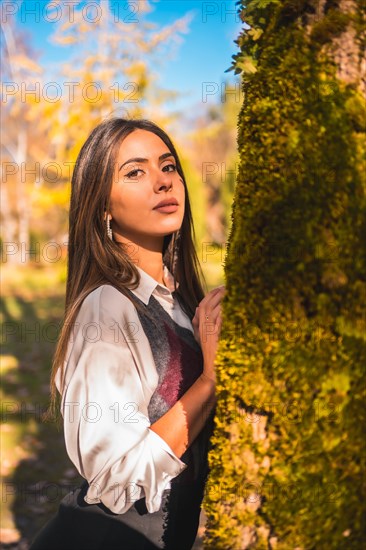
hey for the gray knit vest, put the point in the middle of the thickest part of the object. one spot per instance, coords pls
(179, 362)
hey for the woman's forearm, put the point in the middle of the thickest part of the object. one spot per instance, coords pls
(184, 421)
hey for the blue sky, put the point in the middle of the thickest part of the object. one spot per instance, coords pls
(203, 56)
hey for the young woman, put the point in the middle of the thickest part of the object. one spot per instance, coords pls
(134, 365)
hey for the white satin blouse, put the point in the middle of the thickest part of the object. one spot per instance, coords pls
(110, 376)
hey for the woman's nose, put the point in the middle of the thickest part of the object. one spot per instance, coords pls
(163, 180)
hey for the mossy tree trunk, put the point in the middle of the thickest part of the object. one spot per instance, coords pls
(288, 451)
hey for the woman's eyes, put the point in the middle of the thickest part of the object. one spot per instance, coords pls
(170, 166)
(133, 173)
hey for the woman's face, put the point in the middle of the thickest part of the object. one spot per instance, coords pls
(145, 174)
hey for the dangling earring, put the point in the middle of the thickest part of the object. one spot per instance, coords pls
(109, 230)
(176, 248)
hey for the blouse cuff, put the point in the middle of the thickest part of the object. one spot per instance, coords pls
(167, 464)
(161, 448)
(152, 465)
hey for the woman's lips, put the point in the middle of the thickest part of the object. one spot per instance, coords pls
(168, 208)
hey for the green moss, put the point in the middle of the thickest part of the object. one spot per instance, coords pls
(330, 26)
(292, 354)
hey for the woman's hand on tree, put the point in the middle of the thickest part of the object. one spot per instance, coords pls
(207, 323)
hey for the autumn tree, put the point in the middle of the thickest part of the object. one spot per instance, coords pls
(214, 155)
(21, 144)
(112, 71)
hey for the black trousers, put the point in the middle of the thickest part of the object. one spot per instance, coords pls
(82, 526)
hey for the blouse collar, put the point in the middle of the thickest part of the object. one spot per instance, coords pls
(148, 285)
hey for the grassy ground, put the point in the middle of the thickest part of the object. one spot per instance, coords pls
(36, 471)
(35, 467)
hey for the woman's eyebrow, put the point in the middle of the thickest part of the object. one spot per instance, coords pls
(140, 159)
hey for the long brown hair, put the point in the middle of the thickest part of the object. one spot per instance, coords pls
(93, 258)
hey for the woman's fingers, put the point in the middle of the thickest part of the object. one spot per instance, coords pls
(212, 299)
(216, 298)
(209, 309)
(219, 321)
(213, 314)
(211, 295)
(213, 323)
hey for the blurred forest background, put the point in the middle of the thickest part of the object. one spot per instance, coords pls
(294, 313)
(42, 134)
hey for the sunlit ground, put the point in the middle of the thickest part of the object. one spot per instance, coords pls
(33, 457)
(35, 470)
